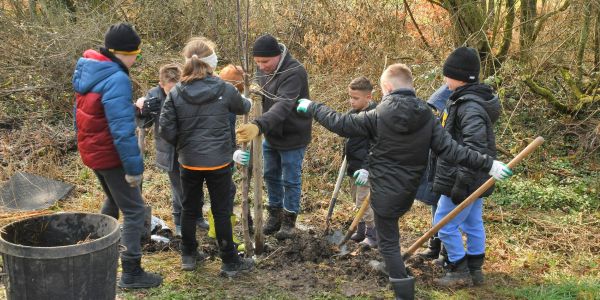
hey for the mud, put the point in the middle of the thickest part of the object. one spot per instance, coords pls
(174, 243)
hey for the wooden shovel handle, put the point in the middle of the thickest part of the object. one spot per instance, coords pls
(474, 196)
(359, 215)
(336, 190)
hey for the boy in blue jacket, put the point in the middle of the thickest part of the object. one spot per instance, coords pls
(105, 124)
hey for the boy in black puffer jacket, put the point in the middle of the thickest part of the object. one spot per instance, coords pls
(401, 129)
(147, 114)
(470, 114)
(356, 150)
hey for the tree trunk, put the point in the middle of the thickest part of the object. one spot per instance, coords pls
(507, 34)
(470, 25)
(583, 38)
(527, 27)
(597, 40)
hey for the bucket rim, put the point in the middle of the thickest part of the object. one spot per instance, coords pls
(24, 251)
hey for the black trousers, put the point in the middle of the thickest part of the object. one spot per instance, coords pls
(388, 239)
(219, 184)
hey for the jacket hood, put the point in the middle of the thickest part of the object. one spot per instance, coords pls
(403, 112)
(201, 91)
(91, 69)
(484, 96)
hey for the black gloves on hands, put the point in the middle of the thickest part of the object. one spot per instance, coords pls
(460, 191)
(151, 106)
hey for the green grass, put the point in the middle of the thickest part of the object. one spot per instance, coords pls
(562, 289)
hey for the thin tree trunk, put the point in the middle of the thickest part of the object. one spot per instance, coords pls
(245, 169)
(583, 38)
(508, 33)
(527, 27)
(597, 41)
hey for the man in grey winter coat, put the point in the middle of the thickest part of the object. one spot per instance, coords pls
(282, 80)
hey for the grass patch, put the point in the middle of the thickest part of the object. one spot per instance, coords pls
(562, 289)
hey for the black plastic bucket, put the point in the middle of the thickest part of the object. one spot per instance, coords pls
(61, 256)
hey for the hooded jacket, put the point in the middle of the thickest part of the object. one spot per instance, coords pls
(402, 129)
(165, 152)
(104, 115)
(471, 112)
(284, 128)
(357, 148)
(196, 119)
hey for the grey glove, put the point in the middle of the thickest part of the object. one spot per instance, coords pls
(134, 180)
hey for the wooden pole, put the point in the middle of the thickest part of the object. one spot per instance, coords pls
(257, 165)
(474, 196)
(245, 169)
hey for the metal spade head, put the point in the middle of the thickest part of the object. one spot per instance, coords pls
(335, 237)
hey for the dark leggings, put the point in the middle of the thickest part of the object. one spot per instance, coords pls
(221, 204)
(388, 238)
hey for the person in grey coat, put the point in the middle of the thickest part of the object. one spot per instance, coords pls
(195, 118)
(147, 114)
(282, 80)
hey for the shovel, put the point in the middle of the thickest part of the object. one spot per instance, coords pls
(474, 196)
(336, 190)
(336, 237)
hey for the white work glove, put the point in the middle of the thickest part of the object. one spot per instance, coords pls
(134, 180)
(249, 100)
(139, 103)
(303, 105)
(362, 176)
(500, 171)
(241, 157)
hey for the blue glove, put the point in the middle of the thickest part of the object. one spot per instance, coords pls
(303, 105)
(362, 176)
(241, 157)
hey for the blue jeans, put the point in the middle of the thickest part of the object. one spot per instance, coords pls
(470, 221)
(283, 176)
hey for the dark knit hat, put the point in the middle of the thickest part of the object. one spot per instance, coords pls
(266, 46)
(463, 64)
(122, 38)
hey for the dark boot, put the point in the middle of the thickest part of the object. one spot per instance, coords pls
(274, 220)
(288, 225)
(457, 274)
(236, 266)
(441, 259)
(404, 288)
(433, 250)
(134, 277)
(475, 262)
(370, 240)
(202, 224)
(188, 262)
(359, 234)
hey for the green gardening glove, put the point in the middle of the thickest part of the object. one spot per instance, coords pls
(303, 105)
